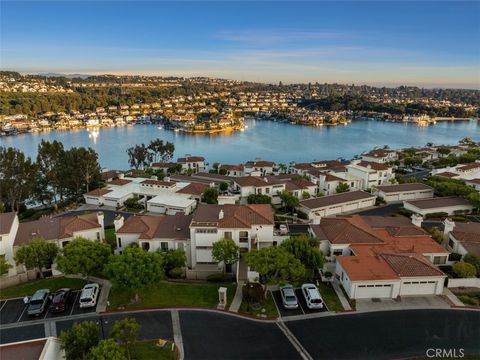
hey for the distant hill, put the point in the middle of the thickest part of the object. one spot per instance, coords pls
(69, 76)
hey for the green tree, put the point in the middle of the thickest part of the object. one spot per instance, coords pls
(139, 156)
(17, 177)
(342, 187)
(304, 249)
(259, 199)
(133, 204)
(161, 151)
(125, 333)
(225, 251)
(474, 199)
(4, 265)
(473, 260)
(289, 200)
(436, 234)
(78, 341)
(135, 268)
(107, 350)
(443, 150)
(80, 171)
(275, 264)
(49, 157)
(223, 186)
(305, 195)
(83, 256)
(210, 196)
(37, 254)
(173, 259)
(464, 270)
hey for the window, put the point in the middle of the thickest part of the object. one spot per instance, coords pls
(98, 236)
(243, 236)
(439, 260)
(267, 191)
(164, 246)
(119, 242)
(206, 231)
(146, 246)
(227, 235)
(451, 243)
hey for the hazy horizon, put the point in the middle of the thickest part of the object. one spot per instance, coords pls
(424, 44)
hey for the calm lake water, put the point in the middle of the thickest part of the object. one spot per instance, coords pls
(269, 140)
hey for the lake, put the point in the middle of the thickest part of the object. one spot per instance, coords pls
(268, 140)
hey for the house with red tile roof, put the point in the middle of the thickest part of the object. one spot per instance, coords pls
(463, 238)
(377, 256)
(381, 156)
(193, 163)
(258, 167)
(400, 192)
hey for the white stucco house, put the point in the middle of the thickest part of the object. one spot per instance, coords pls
(370, 173)
(449, 205)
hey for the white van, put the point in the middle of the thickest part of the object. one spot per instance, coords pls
(89, 295)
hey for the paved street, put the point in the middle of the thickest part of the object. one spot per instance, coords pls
(215, 335)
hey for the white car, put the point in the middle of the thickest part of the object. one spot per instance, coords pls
(312, 296)
(89, 295)
(283, 229)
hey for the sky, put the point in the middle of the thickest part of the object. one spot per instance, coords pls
(423, 43)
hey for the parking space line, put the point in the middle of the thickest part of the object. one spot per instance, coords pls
(5, 303)
(21, 315)
(74, 302)
(46, 313)
(276, 305)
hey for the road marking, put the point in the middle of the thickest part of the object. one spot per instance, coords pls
(294, 341)
(276, 305)
(74, 302)
(25, 308)
(177, 333)
(5, 303)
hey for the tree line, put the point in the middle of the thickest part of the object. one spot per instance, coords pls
(56, 175)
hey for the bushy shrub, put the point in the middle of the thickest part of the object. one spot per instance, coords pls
(474, 260)
(437, 215)
(220, 278)
(176, 273)
(253, 292)
(467, 300)
(302, 215)
(464, 270)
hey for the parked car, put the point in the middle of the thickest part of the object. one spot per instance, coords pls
(38, 302)
(89, 295)
(312, 296)
(283, 229)
(289, 298)
(59, 301)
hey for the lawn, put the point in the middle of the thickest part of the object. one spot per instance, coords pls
(165, 294)
(330, 297)
(30, 287)
(268, 306)
(146, 350)
(469, 298)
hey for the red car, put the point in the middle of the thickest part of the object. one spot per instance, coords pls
(59, 301)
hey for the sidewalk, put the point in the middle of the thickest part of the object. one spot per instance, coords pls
(237, 299)
(341, 297)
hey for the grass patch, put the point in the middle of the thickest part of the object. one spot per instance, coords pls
(268, 306)
(28, 288)
(166, 294)
(330, 297)
(146, 350)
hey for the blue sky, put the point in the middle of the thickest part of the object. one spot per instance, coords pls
(432, 44)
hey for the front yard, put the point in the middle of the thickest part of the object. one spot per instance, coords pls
(267, 309)
(330, 297)
(469, 296)
(53, 284)
(146, 350)
(169, 294)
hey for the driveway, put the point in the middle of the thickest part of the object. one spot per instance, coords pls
(404, 303)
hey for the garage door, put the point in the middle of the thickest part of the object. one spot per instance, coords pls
(418, 288)
(373, 291)
(204, 255)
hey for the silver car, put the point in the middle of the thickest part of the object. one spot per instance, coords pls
(289, 298)
(38, 302)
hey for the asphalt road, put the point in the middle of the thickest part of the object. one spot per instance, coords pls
(381, 335)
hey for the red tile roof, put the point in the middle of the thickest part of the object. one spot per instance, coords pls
(158, 183)
(175, 227)
(234, 216)
(119, 182)
(403, 187)
(193, 189)
(260, 163)
(468, 234)
(363, 268)
(190, 159)
(98, 192)
(411, 265)
(439, 202)
(373, 165)
(6, 221)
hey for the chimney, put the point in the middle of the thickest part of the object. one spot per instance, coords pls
(220, 215)
(101, 221)
(121, 175)
(153, 177)
(316, 220)
(265, 179)
(118, 222)
(417, 220)
(166, 178)
(212, 185)
(448, 226)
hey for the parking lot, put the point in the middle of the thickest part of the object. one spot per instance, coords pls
(302, 305)
(14, 310)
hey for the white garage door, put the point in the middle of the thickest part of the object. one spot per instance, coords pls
(373, 291)
(204, 255)
(418, 288)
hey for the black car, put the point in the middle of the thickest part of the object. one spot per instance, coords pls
(59, 301)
